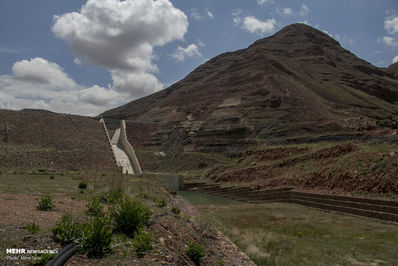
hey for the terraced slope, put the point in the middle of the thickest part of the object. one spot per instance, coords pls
(373, 208)
(298, 83)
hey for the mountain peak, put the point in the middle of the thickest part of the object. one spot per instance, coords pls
(297, 36)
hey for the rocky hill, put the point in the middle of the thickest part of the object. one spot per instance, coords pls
(297, 84)
(47, 140)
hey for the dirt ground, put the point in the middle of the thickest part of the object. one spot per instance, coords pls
(171, 233)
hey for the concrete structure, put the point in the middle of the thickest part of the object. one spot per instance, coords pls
(170, 182)
(123, 151)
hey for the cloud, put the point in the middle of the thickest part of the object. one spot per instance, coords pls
(390, 41)
(284, 12)
(345, 39)
(190, 51)
(236, 16)
(304, 10)
(135, 84)
(209, 14)
(99, 96)
(391, 25)
(262, 2)
(38, 83)
(395, 59)
(258, 26)
(120, 36)
(287, 11)
(196, 15)
(41, 71)
(8, 51)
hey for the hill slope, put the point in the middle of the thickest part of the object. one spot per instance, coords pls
(42, 139)
(296, 83)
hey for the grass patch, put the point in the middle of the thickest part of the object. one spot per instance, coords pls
(286, 234)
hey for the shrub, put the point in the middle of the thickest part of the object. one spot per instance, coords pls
(52, 177)
(175, 210)
(96, 237)
(82, 185)
(32, 228)
(113, 196)
(94, 207)
(195, 252)
(129, 216)
(66, 231)
(142, 243)
(161, 203)
(46, 203)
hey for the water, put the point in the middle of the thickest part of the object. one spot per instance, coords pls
(197, 198)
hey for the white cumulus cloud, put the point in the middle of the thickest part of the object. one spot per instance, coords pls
(38, 83)
(391, 25)
(190, 51)
(390, 41)
(140, 83)
(258, 26)
(287, 11)
(41, 71)
(120, 36)
(395, 59)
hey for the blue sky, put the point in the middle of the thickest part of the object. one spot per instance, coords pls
(85, 57)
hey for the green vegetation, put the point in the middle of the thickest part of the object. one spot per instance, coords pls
(175, 210)
(161, 203)
(32, 228)
(66, 231)
(286, 234)
(82, 185)
(142, 243)
(129, 216)
(195, 252)
(46, 203)
(95, 207)
(96, 237)
(113, 196)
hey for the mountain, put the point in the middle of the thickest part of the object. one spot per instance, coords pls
(393, 68)
(298, 83)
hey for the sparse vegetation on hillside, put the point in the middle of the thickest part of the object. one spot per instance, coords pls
(46, 203)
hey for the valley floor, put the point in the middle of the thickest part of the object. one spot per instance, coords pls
(289, 234)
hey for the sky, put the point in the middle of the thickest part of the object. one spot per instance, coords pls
(85, 57)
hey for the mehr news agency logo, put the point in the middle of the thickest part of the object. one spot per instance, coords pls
(23, 254)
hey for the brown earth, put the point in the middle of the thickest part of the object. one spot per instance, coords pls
(297, 83)
(333, 169)
(171, 234)
(53, 141)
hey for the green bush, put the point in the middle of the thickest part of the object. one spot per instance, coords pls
(175, 210)
(113, 196)
(82, 185)
(32, 228)
(161, 203)
(52, 177)
(94, 207)
(96, 237)
(129, 216)
(66, 231)
(46, 203)
(142, 243)
(195, 252)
